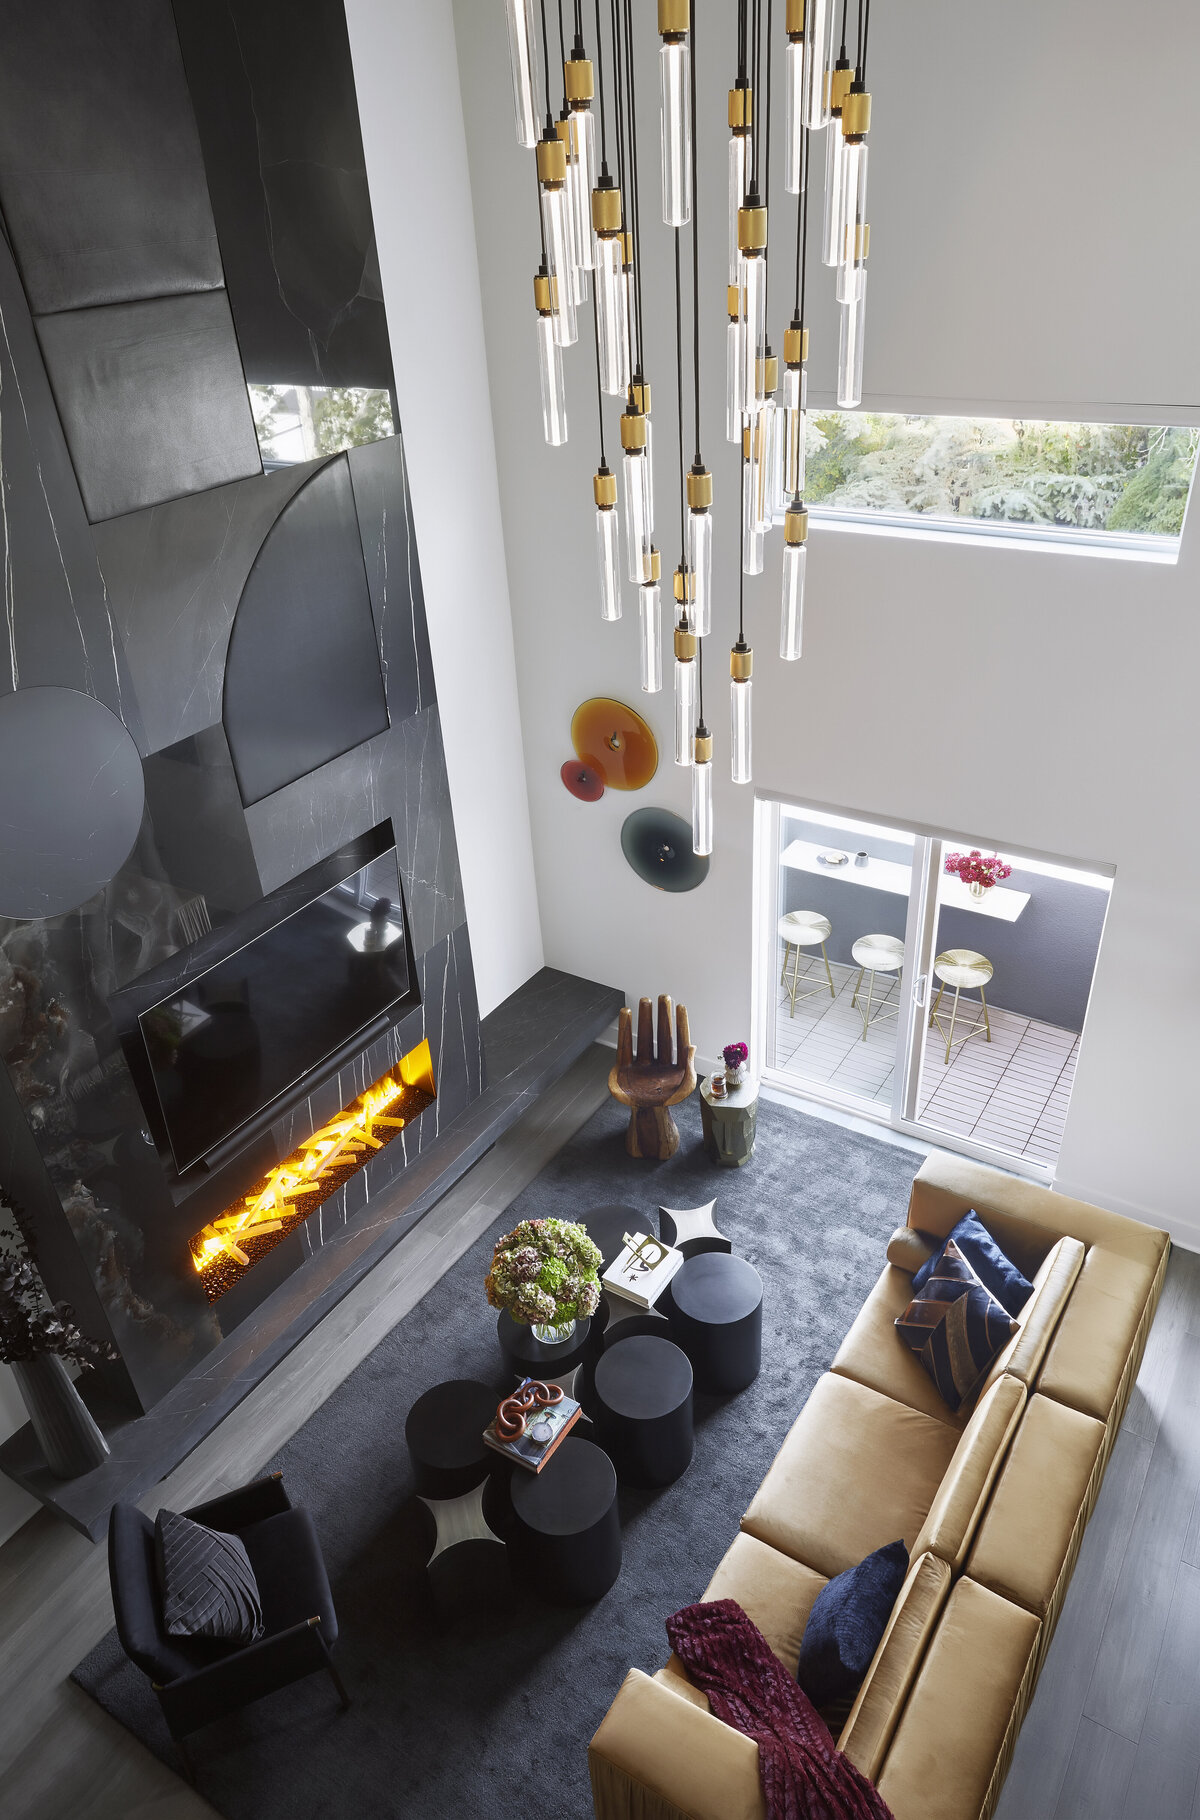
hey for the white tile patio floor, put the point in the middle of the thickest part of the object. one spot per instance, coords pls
(1011, 1092)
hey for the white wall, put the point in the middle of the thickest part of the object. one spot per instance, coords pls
(412, 124)
(1040, 701)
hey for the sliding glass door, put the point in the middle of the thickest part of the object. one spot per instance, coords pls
(891, 988)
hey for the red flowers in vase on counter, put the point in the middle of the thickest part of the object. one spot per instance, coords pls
(980, 871)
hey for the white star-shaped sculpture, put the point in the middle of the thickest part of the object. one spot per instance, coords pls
(692, 1229)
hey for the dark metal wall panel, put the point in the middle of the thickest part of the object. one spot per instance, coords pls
(152, 399)
(100, 167)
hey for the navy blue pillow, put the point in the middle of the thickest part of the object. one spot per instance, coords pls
(996, 1272)
(846, 1623)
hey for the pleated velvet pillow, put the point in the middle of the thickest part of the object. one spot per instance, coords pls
(206, 1580)
(955, 1326)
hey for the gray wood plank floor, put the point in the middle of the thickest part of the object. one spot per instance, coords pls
(1113, 1732)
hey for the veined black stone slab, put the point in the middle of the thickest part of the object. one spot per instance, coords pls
(529, 1041)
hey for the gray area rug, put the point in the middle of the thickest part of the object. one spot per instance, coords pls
(491, 1717)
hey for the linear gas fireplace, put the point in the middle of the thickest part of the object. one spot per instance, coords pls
(224, 1249)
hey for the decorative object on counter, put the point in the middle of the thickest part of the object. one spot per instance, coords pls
(531, 1423)
(658, 845)
(543, 1275)
(643, 1270)
(978, 871)
(651, 1085)
(729, 1120)
(582, 780)
(38, 1339)
(736, 1056)
(966, 971)
(716, 1086)
(832, 856)
(692, 1229)
(861, 858)
(616, 742)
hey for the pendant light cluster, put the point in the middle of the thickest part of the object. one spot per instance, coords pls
(590, 224)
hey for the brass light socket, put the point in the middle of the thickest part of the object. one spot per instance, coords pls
(745, 442)
(563, 129)
(606, 210)
(795, 347)
(627, 248)
(702, 749)
(545, 291)
(839, 86)
(699, 489)
(794, 18)
(655, 565)
(674, 18)
(741, 662)
(641, 394)
(770, 372)
(733, 302)
(856, 115)
(633, 431)
(795, 525)
(741, 109)
(604, 487)
(685, 644)
(752, 230)
(680, 577)
(579, 80)
(551, 160)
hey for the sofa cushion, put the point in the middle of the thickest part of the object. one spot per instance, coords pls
(856, 1471)
(1091, 1347)
(1026, 1541)
(973, 1678)
(868, 1731)
(960, 1498)
(873, 1353)
(775, 1592)
(1053, 1283)
(1011, 1288)
(955, 1326)
(908, 1249)
(846, 1625)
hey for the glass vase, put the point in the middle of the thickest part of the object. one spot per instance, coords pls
(550, 1335)
(977, 889)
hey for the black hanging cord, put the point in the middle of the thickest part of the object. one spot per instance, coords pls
(858, 61)
(562, 49)
(767, 162)
(842, 52)
(741, 28)
(618, 87)
(546, 66)
(695, 247)
(600, 90)
(679, 396)
(636, 184)
(741, 551)
(755, 61)
(866, 27)
(599, 389)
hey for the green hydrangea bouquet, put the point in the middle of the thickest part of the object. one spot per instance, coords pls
(544, 1272)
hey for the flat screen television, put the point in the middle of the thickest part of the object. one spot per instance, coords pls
(232, 1041)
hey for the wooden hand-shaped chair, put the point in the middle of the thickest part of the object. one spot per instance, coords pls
(651, 1085)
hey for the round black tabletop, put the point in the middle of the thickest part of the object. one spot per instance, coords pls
(444, 1431)
(607, 1226)
(642, 1402)
(567, 1531)
(532, 1358)
(715, 1311)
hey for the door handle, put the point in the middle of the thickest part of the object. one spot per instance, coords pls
(921, 990)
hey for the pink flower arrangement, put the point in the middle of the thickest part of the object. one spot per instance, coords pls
(735, 1054)
(975, 868)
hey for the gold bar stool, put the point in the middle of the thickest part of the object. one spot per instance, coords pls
(966, 971)
(876, 954)
(803, 929)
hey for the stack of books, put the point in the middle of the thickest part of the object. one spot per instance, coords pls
(643, 1269)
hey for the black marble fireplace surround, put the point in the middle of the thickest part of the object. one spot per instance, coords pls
(148, 266)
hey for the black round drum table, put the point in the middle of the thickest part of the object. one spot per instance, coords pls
(530, 1358)
(642, 1403)
(444, 1432)
(715, 1311)
(607, 1226)
(566, 1536)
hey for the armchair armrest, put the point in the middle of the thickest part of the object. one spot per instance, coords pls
(656, 1754)
(232, 1682)
(235, 1510)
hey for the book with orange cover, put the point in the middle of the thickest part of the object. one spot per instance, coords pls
(526, 1450)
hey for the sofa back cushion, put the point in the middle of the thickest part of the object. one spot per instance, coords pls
(958, 1504)
(868, 1730)
(1052, 1286)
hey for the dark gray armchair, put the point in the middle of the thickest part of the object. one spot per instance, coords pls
(198, 1680)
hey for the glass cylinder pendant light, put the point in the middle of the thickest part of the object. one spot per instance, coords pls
(734, 367)
(580, 86)
(795, 553)
(752, 537)
(835, 164)
(522, 40)
(556, 236)
(650, 628)
(639, 386)
(612, 319)
(685, 694)
(674, 21)
(604, 489)
(752, 285)
(570, 199)
(554, 398)
(850, 345)
(697, 553)
(819, 21)
(741, 119)
(741, 668)
(639, 525)
(855, 231)
(794, 404)
(702, 803)
(793, 152)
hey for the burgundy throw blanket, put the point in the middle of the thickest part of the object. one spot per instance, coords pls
(804, 1776)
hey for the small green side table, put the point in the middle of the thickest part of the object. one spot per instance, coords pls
(729, 1123)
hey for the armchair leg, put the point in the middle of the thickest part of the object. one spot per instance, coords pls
(331, 1669)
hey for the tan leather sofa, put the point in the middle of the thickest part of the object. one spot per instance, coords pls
(992, 1503)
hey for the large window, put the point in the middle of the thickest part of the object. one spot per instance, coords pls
(1117, 480)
